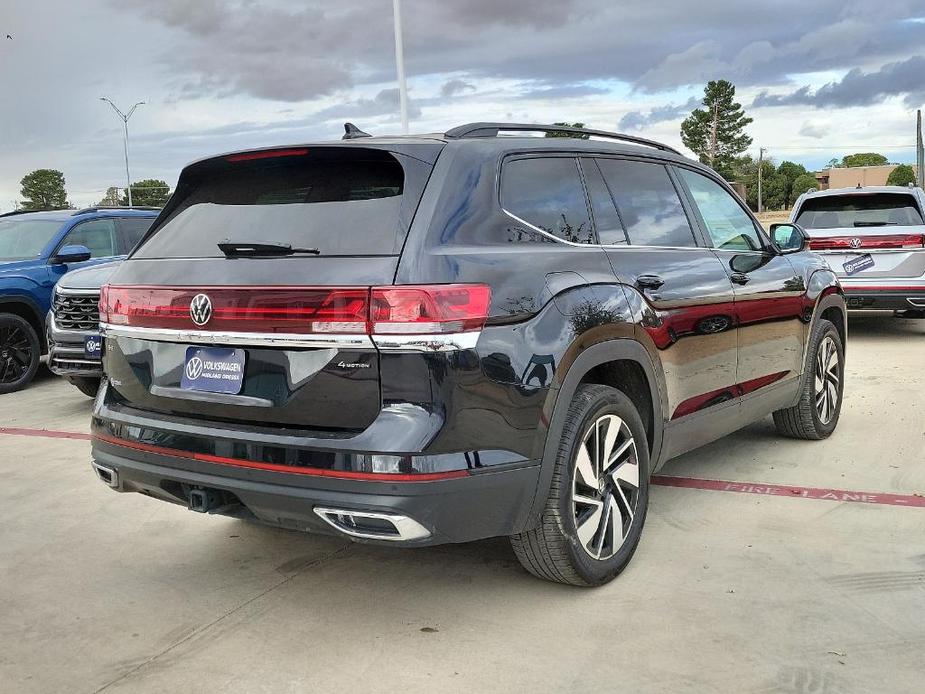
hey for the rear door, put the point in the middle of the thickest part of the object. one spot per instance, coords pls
(683, 295)
(867, 235)
(271, 337)
(768, 291)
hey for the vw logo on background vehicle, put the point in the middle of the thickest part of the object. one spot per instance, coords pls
(194, 368)
(200, 309)
(855, 242)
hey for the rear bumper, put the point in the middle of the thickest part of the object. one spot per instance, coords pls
(884, 297)
(66, 352)
(485, 503)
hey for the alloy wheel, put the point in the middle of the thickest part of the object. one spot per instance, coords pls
(827, 379)
(605, 487)
(15, 354)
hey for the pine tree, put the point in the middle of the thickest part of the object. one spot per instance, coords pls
(716, 132)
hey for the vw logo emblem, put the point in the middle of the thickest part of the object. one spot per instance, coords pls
(194, 368)
(200, 309)
(855, 243)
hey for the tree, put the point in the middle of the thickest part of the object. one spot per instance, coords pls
(902, 175)
(716, 132)
(864, 159)
(150, 192)
(43, 189)
(747, 173)
(791, 172)
(111, 199)
(565, 133)
(803, 183)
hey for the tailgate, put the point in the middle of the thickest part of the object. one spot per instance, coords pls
(248, 300)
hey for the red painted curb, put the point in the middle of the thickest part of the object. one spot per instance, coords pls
(819, 493)
(45, 433)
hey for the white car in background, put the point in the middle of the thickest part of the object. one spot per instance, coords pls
(874, 239)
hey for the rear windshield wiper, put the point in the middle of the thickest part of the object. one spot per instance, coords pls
(874, 224)
(238, 249)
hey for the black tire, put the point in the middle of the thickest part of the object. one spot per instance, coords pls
(554, 550)
(20, 351)
(88, 385)
(804, 420)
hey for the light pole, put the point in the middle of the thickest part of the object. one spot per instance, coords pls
(125, 117)
(761, 151)
(400, 64)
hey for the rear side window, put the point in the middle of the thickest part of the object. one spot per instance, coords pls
(340, 201)
(606, 220)
(99, 235)
(131, 229)
(859, 210)
(648, 203)
(547, 193)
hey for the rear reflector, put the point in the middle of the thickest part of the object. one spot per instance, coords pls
(422, 310)
(852, 243)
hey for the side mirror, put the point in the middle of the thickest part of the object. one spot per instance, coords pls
(71, 254)
(789, 238)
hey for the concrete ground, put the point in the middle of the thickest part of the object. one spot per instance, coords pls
(728, 592)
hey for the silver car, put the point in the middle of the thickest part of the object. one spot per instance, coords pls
(874, 239)
(74, 342)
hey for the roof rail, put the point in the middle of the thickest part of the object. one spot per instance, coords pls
(14, 212)
(493, 129)
(98, 208)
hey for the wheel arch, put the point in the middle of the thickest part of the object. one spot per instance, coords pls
(620, 363)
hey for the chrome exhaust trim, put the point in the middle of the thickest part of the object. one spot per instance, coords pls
(107, 475)
(351, 522)
(918, 303)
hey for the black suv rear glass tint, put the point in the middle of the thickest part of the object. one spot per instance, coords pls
(547, 193)
(341, 201)
(859, 210)
(648, 203)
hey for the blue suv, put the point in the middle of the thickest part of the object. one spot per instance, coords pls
(36, 249)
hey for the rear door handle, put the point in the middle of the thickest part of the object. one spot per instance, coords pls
(649, 281)
(739, 278)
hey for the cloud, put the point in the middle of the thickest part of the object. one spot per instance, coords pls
(453, 87)
(859, 88)
(385, 102)
(814, 129)
(314, 48)
(636, 120)
(563, 91)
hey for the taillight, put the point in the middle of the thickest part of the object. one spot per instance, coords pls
(299, 310)
(850, 243)
(433, 309)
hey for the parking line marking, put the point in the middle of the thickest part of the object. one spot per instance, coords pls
(46, 433)
(818, 493)
(794, 492)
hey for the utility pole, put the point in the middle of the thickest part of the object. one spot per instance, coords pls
(713, 129)
(125, 117)
(919, 151)
(400, 66)
(761, 151)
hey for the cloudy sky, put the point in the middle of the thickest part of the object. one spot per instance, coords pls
(821, 78)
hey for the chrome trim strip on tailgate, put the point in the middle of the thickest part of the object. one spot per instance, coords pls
(448, 342)
(210, 337)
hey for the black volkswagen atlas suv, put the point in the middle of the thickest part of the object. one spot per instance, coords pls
(440, 338)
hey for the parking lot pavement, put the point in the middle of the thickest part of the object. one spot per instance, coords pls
(727, 592)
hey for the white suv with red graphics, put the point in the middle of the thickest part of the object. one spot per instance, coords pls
(874, 239)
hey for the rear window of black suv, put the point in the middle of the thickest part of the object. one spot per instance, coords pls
(340, 201)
